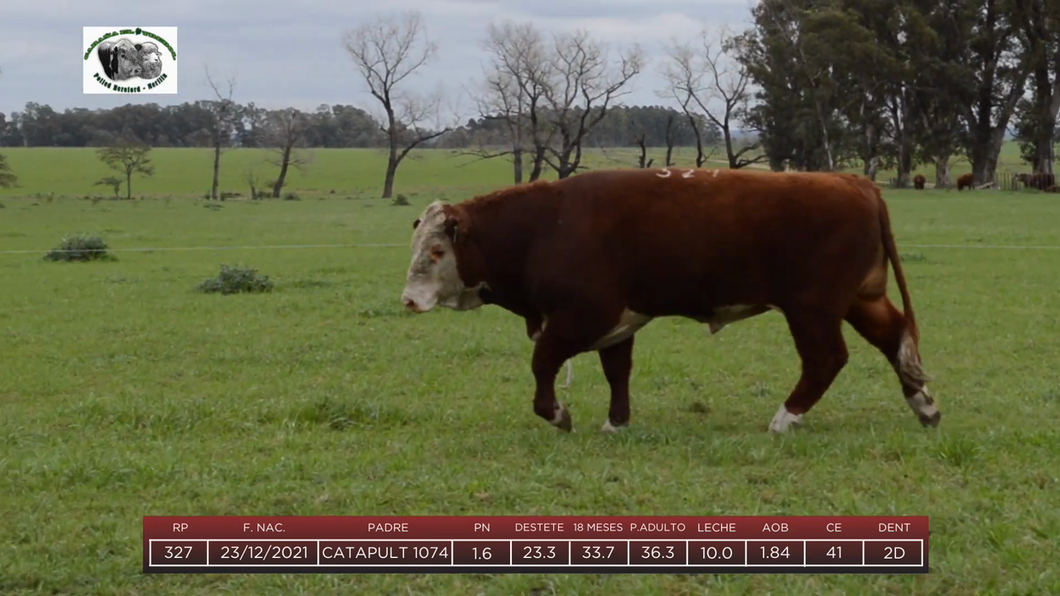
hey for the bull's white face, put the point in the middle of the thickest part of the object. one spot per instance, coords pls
(433, 278)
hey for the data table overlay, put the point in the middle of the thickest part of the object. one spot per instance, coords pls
(525, 544)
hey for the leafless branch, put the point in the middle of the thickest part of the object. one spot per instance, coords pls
(705, 80)
(584, 83)
(386, 52)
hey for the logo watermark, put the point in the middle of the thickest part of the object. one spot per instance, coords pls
(130, 60)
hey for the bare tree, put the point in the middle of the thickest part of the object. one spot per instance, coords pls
(642, 159)
(387, 52)
(670, 140)
(223, 112)
(579, 86)
(252, 180)
(706, 79)
(550, 94)
(514, 93)
(682, 77)
(285, 134)
(500, 100)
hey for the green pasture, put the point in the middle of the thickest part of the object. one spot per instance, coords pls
(125, 392)
(72, 171)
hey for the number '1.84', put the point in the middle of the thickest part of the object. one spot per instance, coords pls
(775, 552)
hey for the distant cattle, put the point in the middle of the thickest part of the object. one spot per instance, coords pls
(966, 181)
(1039, 181)
(1053, 189)
(919, 181)
(589, 260)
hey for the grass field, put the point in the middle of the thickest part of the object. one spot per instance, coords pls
(127, 393)
(183, 172)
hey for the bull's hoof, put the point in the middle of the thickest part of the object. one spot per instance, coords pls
(931, 421)
(611, 428)
(783, 421)
(562, 420)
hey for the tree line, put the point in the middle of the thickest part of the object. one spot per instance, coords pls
(821, 84)
(337, 126)
(897, 83)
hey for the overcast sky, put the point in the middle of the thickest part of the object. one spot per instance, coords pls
(282, 56)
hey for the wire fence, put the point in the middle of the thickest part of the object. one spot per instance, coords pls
(148, 249)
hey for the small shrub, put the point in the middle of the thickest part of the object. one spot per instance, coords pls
(292, 196)
(401, 201)
(233, 280)
(81, 247)
(230, 195)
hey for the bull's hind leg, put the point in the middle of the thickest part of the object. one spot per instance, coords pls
(884, 326)
(819, 341)
(617, 362)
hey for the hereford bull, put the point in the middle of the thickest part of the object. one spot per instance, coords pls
(965, 181)
(597, 256)
(919, 181)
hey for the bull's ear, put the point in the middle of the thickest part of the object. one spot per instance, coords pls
(452, 228)
(416, 224)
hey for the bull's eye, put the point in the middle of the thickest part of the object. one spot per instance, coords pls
(437, 253)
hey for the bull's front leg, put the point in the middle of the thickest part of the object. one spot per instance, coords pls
(565, 335)
(550, 352)
(534, 327)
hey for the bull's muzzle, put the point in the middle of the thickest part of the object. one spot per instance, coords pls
(411, 304)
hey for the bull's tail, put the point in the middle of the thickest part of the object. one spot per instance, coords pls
(909, 366)
(891, 250)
